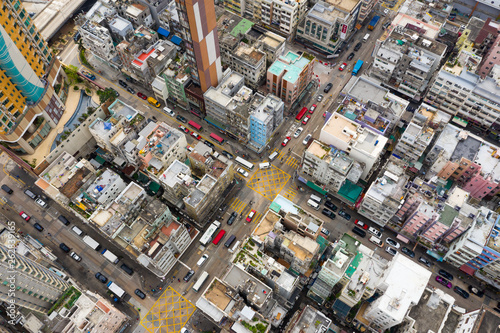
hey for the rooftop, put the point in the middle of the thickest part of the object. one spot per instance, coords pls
(488, 321)
(176, 173)
(365, 90)
(217, 294)
(337, 159)
(249, 54)
(135, 9)
(487, 158)
(431, 311)
(494, 238)
(242, 27)
(106, 179)
(266, 225)
(264, 110)
(429, 29)
(257, 291)
(391, 183)
(327, 13)
(291, 64)
(226, 90)
(202, 188)
(310, 321)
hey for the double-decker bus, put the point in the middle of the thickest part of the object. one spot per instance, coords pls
(301, 114)
(217, 138)
(219, 236)
(195, 125)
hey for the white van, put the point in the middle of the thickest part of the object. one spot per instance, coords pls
(264, 165)
(376, 241)
(313, 204)
(315, 198)
(235, 246)
(273, 156)
(77, 231)
(169, 112)
(366, 37)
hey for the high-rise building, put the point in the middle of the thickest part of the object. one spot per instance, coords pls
(199, 25)
(29, 108)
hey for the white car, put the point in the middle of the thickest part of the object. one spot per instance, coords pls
(298, 132)
(392, 243)
(306, 139)
(41, 203)
(75, 256)
(242, 172)
(375, 232)
(202, 260)
(391, 251)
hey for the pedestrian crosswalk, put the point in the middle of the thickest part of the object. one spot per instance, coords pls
(290, 193)
(285, 159)
(237, 205)
(293, 162)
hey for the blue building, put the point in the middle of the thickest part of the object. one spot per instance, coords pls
(265, 118)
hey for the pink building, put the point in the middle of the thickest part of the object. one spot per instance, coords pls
(289, 75)
(480, 186)
(488, 39)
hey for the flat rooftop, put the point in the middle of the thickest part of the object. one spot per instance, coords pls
(311, 321)
(365, 90)
(176, 173)
(467, 148)
(488, 322)
(266, 225)
(258, 292)
(202, 188)
(429, 313)
(336, 125)
(101, 183)
(489, 164)
(291, 63)
(216, 294)
(326, 13)
(224, 92)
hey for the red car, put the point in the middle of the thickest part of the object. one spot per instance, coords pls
(184, 129)
(306, 119)
(250, 215)
(196, 136)
(324, 114)
(141, 95)
(361, 224)
(285, 142)
(25, 216)
(313, 107)
(342, 66)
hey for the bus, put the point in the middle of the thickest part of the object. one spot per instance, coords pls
(219, 236)
(195, 125)
(200, 282)
(217, 138)
(207, 236)
(244, 163)
(301, 114)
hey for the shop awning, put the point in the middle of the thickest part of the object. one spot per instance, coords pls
(163, 32)
(176, 40)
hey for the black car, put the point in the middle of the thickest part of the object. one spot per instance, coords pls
(181, 119)
(461, 292)
(233, 217)
(227, 154)
(101, 277)
(131, 90)
(386, 25)
(123, 83)
(358, 46)
(424, 261)
(208, 143)
(189, 275)
(344, 215)
(63, 219)
(328, 213)
(350, 56)
(64, 247)
(139, 293)
(127, 269)
(408, 252)
(445, 274)
(38, 227)
(328, 87)
(476, 291)
(330, 205)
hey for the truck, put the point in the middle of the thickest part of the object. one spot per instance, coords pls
(110, 256)
(88, 75)
(373, 22)
(92, 243)
(116, 290)
(357, 67)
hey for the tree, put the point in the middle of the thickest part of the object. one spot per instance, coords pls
(72, 73)
(106, 94)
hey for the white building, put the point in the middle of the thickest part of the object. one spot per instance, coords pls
(105, 188)
(361, 144)
(120, 26)
(265, 118)
(403, 284)
(97, 40)
(139, 14)
(249, 62)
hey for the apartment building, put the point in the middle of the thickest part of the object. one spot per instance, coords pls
(139, 15)
(282, 16)
(383, 197)
(266, 116)
(97, 39)
(175, 80)
(308, 320)
(289, 75)
(327, 25)
(248, 61)
(99, 190)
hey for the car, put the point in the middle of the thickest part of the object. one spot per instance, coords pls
(41, 203)
(38, 227)
(202, 260)
(475, 291)
(188, 276)
(328, 213)
(330, 205)
(350, 56)
(141, 95)
(361, 224)
(328, 87)
(461, 292)
(358, 46)
(408, 252)
(306, 119)
(123, 83)
(298, 132)
(75, 256)
(386, 25)
(64, 247)
(131, 90)
(320, 98)
(25, 216)
(189, 148)
(223, 207)
(243, 172)
(181, 119)
(445, 274)
(391, 251)
(424, 261)
(285, 142)
(344, 215)
(210, 144)
(196, 135)
(325, 232)
(307, 139)
(63, 219)
(101, 277)
(375, 232)
(140, 294)
(227, 154)
(184, 129)
(250, 215)
(232, 218)
(342, 66)
(313, 107)
(392, 242)
(444, 282)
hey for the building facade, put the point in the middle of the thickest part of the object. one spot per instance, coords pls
(265, 119)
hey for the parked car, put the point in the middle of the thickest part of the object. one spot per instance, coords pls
(63, 219)
(475, 291)
(408, 252)
(330, 205)
(208, 143)
(424, 261)
(181, 119)
(250, 215)
(285, 141)
(232, 218)
(188, 276)
(361, 224)
(375, 232)
(445, 274)
(64, 247)
(41, 203)
(202, 260)
(313, 107)
(115, 92)
(325, 232)
(75, 256)
(123, 83)
(298, 132)
(243, 172)
(184, 129)
(342, 66)
(306, 139)
(131, 90)
(140, 294)
(358, 46)
(38, 227)
(320, 98)
(141, 95)
(386, 25)
(461, 292)
(101, 277)
(391, 251)
(328, 87)
(344, 215)
(443, 281)
(306, 119)
(392, 243)
(350, 56)
(328, 213)
(25, 216)
(196, 135)
(227, 154)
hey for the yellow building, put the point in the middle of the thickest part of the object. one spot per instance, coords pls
(29, 108)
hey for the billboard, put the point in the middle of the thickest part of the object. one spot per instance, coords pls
(343, 32)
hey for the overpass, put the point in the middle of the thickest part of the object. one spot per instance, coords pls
(54, 15)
